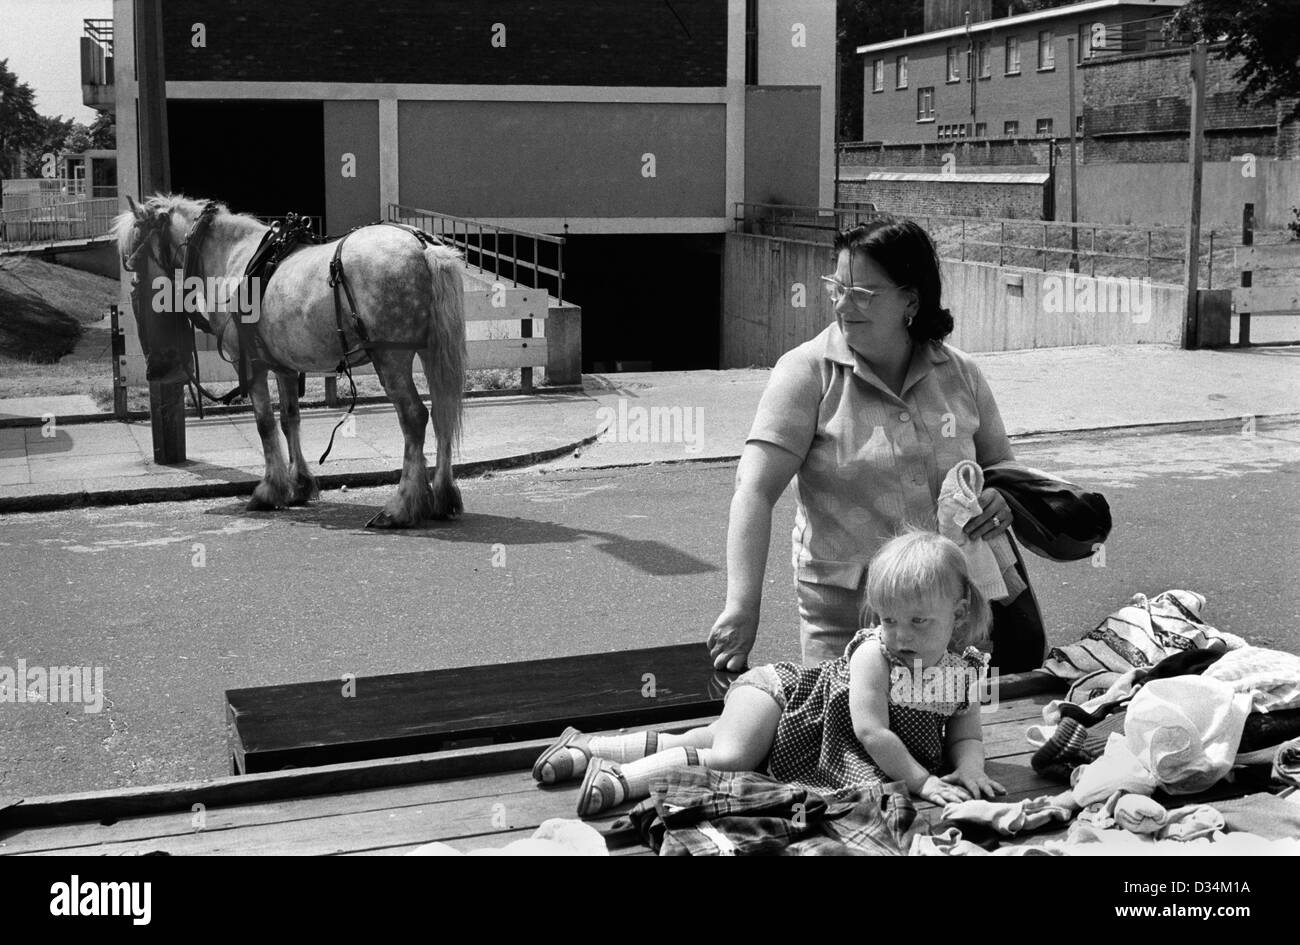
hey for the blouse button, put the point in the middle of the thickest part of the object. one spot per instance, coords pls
(904, 416)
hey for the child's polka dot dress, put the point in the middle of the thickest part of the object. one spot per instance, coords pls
(815, 745)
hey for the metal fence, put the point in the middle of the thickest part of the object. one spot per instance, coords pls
(71, 220)
(534, 260)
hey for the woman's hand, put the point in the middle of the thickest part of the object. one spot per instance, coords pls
(994, 506)
(731, 639)
(940, 791)
(974, 780)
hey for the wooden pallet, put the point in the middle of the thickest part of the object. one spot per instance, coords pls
(468, 798)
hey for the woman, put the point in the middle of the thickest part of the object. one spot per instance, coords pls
(870, 416)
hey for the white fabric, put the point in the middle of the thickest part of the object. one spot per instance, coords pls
(1088, 842)
(959, 502)
(1271, 677)
(1118, 769)
(1185, 730)
(555, 837)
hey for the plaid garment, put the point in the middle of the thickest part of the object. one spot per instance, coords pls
(697, 812)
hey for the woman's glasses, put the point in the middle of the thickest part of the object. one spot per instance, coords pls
(857, 294)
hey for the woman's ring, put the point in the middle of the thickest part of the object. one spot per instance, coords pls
(996, 523)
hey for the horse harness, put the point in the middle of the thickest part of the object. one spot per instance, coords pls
(278, 243)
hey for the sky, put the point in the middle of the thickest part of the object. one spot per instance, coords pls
(40, 38)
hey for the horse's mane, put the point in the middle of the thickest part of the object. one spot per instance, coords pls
(124, 223)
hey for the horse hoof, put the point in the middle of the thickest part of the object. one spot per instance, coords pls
(258, 504)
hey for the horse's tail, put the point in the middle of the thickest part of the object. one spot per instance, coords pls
(444, 367)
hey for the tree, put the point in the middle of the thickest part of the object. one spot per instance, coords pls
(48, 138)
(20, 125)
(1262, 34)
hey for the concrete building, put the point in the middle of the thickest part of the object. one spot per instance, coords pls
(631, 129)
(993, 78)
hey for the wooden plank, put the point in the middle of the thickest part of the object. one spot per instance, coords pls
(504, 302)
(1286, 256)
(1267, 300)
(464, 763)
(404, 713)
(507, 353)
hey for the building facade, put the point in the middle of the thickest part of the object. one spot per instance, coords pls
(996, 78)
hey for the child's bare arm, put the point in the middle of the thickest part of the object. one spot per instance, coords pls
(869, 709)
(966, 751)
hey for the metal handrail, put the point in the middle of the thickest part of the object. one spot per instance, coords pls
(101, 31)
(458, 231)
(53, 223)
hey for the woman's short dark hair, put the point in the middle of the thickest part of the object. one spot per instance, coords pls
(905, 251)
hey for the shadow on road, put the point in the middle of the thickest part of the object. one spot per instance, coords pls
(646, 555)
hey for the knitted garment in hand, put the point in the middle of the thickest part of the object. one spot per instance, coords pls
(815, 744)
(959, 502)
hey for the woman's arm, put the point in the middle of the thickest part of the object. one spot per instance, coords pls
(762, 475)
(869, 709)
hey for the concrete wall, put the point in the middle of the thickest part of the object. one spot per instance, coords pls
(351, 128)
(556, 159)
(773, 302)
(1143, 194)
(782, 145)
(796, 46)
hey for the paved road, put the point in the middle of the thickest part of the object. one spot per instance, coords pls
(545, 563)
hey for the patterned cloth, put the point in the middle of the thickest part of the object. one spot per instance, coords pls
(872, 460)
(1140, 634)
(697, 812)
(815, 744)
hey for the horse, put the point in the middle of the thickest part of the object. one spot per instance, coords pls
(407, 296)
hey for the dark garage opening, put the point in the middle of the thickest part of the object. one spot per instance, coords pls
(649, 302)
(263, 158)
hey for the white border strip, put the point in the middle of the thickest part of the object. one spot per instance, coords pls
(343, 91)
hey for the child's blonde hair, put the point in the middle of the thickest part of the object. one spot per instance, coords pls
(919, 564)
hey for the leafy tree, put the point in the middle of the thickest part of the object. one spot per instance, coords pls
(1263, 34)
(49, 138)
(860, 22)
(20, 125)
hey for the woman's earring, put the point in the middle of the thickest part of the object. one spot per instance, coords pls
(909, 320)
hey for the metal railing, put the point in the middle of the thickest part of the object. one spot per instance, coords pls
(100, 32)
(819, 224)
(68, 221)
(1138, 36)
(485, 246)
(25, 192)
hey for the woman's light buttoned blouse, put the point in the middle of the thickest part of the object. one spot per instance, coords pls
(873, 461)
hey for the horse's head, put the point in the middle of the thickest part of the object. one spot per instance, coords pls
(150, 237)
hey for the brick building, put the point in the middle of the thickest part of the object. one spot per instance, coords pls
(632, 129)
(920, 88)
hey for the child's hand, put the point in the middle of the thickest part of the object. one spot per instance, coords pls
(975, 781)
(941, 791)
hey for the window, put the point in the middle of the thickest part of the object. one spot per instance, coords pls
(942, 131)
(878, 76)
(1092, 36)
(1010, 128)
(961, 130)
(954, 64)
(982, 59)
(1013, 55)
(900, 69)
(1044, 126)
(981, 129)
(925, 103)
(1078, 124)
(1046, 51)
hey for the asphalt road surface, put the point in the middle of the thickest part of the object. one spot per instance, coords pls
(178, 602)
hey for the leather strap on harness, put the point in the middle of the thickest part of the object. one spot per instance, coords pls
(338, 280)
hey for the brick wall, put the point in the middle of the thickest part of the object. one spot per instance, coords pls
(547, 42)
(1000, 153)
(1137, 108)
(952, 198)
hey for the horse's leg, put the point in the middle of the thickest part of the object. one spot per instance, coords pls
(446, 494)
(276, 488)
(304, 483)
(414, 500)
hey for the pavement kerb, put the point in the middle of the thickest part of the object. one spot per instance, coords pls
(59, 501)
(221, 410)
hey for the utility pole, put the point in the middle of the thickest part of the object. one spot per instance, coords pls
(1194, 158)
(1074, 167)
(166, 401)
